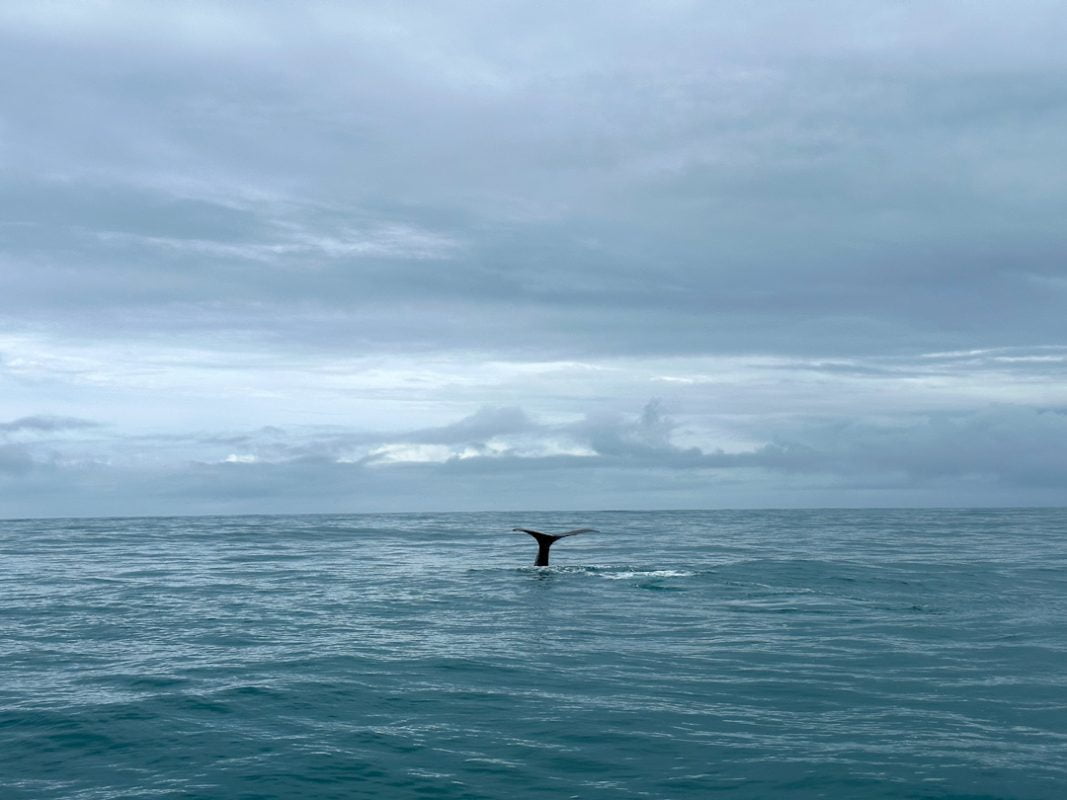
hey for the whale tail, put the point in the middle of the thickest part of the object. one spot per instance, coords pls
(546, 540)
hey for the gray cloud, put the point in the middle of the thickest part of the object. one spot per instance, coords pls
(484, 424)
(381, 174)
(468, 236)
(14, 460)
(45, 423)
(28, 443)
(1005, 445)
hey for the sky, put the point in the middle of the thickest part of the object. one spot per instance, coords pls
(267, 257)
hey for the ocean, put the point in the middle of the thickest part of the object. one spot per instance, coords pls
(672, 655)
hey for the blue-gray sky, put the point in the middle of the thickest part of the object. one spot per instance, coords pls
(272, 257)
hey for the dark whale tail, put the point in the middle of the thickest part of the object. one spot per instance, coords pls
(546, 540)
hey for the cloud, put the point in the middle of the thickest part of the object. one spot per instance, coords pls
(501, 458)
(27, 443)
(1006, 445)
(689, 179)
(14, 460)
(387, 247)
(44, 423)
(615, 436)
(484, 424)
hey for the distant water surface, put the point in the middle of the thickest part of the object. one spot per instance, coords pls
(799, 654)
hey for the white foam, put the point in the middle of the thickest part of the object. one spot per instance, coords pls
(656, 573)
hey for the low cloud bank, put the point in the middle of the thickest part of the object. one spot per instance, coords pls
(502, 458)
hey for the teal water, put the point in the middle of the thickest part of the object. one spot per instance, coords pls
(799, 654)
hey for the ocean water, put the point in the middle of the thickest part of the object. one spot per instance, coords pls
(740, 654)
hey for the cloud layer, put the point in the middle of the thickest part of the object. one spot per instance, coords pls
(501, 458)
(374, 240)
(615, 179)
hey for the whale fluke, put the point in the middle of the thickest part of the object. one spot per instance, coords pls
(546, 540)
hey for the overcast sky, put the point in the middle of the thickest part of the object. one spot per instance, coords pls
(376, 256)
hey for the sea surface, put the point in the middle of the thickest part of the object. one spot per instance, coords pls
(734, 654)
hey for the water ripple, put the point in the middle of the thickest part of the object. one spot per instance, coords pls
(829, 654)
